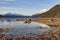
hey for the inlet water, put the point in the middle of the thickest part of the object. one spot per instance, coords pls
(19, 27)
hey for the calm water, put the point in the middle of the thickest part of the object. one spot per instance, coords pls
(19, 27)
(22, 31)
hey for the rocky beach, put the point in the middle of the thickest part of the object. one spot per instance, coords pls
(51, 34)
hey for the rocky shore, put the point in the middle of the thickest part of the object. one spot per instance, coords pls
(52, 34)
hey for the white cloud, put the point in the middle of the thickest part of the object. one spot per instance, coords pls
(6, 1)
(43, 10)
(4, 10)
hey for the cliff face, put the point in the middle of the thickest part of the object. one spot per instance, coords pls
(54, 12)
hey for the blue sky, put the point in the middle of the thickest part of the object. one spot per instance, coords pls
(26, 7)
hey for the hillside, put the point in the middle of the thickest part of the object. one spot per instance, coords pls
(54, 12)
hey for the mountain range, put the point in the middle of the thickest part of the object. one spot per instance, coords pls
(54, 12)
(12, 15)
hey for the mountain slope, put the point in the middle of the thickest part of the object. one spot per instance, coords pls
(52, 13)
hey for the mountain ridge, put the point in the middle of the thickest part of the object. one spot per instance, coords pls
(12, 15)
(54, 12)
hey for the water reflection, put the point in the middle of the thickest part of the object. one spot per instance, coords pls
(21, 24)
(20, 28)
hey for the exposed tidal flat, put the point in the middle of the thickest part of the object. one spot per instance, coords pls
(28, 33)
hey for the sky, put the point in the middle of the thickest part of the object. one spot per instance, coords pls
(26, 7)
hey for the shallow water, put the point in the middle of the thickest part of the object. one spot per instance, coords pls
(21, 24)
(22, 31)
(20, 28)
